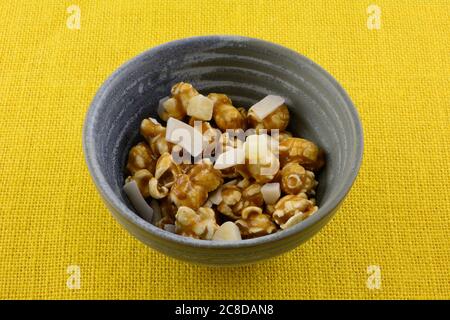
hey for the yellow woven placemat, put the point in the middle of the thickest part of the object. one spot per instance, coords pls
(390, 239)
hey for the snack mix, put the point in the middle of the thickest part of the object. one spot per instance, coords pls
(245, 177)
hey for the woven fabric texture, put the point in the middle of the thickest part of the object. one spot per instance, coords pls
(390, 239)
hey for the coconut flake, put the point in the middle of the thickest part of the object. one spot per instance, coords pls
(185, 136)
(154, 204)
(208, 204)
(271, 192)
(231, 182)
(138, 201)
(153, 120)
(161, 108)
(216, 196)
(230, 158)
(228, 231)
(200, 107)
(257, 149)
(266, 106)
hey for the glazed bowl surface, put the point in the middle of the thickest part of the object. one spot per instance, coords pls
(245, 69)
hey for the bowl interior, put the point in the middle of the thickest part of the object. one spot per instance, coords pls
(244, 69)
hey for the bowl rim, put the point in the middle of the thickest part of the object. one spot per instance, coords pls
(113, 200)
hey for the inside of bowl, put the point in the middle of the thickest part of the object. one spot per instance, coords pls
(244, 70)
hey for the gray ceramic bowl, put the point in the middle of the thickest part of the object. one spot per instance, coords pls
(245, 69)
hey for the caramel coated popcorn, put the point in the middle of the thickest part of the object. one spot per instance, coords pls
(292, 209)
(266, 190)
(199, 224)
(254, 223)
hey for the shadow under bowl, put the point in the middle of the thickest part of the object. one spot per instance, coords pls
(246, 70)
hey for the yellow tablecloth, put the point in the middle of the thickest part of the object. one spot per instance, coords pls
(397, 216)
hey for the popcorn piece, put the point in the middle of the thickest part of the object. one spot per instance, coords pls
(157, 191)
(235, 200)
(142, 178)
(185, 136)
(141, 157)
(302, 151)
(231, 195)
(262, 164)
(258, 149)
(155, 133)
(168, 212)
(228, 231)
(254, 223)
(205, 175)
(271, 192)
(186, 193)
(292, 209)
(166, 170)
(200, 107)
(183, 92)
(200, 225)
(264, 173)
(295, 179)
(225, 115)
(266, 106)
(138, 201)
(170, 108)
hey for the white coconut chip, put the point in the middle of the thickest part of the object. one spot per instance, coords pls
(200, 107)
(266, 106)
(143, 209)
(154, 204)
(230, 158)
(216, 196)
(185, 136)
(271, 192)
(228, 231)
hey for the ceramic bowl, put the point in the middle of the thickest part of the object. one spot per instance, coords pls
(246, 70)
